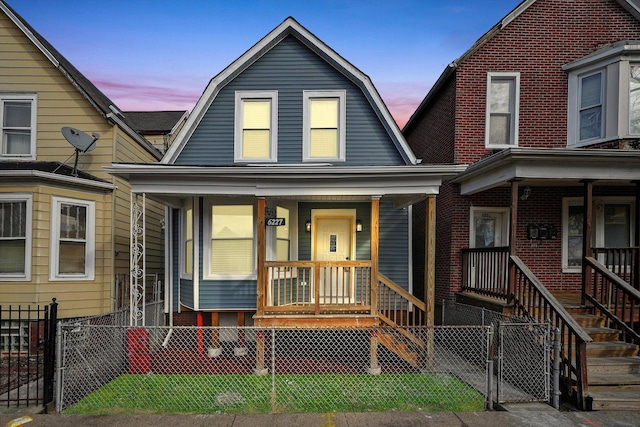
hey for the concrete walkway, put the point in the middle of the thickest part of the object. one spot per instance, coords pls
(522, 416)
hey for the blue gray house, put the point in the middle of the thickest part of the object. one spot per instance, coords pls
(289, 193)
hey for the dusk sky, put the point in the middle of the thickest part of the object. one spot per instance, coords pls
(161, 54)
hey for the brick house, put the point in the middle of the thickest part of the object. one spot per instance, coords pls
(544, 54)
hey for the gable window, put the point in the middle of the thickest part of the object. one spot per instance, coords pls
(231, 250)
(591, 106)
(15, 237)
(324, 133)
(72, 239)
(18, 126)
(502, 109)
(256, 132)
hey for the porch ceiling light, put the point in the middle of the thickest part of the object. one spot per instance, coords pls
(358, 225)
(307, 226)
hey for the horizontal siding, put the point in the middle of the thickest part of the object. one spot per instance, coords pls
(393, 255)
(186, 292)
(290, 67)
(228, 294)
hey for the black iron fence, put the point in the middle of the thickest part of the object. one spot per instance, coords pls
(27, 354)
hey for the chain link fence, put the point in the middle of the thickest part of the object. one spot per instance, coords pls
(521, 352)
(108, 368)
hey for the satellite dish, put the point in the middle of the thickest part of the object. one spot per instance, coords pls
(81, 141)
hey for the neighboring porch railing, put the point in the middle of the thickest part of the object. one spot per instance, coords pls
(623, 262)
(318, 287)
(485, 271)
(533, 300)
(613, 298)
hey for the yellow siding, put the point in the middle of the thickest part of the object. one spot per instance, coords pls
(23, 68)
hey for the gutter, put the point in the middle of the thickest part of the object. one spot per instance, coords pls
(59, 178)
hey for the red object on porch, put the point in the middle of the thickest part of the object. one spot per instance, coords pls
(200, 343)
(138, 351)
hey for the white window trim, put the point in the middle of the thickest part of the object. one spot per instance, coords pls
(206, 241)
(342, 125)
(515, 76)
(33, 98)
(183, 239)
(597, 225)
(89, 274)
(22, 197)
(239, 115)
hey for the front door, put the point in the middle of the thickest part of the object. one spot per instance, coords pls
(489, 229)
(334, 242)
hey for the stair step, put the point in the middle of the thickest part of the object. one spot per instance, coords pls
(609, 379)
(589, 320)
(615, 398)
(399, 348)
(611, 349)
(603, 334)
(613, 365)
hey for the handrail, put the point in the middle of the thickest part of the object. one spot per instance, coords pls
(394, 287)
(532, 299)
(485, 271)
(622, 261)
(614, 298)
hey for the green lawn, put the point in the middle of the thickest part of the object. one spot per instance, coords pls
(130, 394)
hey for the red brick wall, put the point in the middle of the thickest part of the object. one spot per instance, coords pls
(549, 34)
(537, 44)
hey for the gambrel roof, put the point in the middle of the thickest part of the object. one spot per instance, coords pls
(290, 27)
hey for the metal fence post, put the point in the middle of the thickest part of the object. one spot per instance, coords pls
(59, 368)
(489, 398)
(556, 370)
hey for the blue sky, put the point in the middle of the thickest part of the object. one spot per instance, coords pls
(160, 54)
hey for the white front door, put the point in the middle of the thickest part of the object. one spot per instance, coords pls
(334, 242)
(489, 228)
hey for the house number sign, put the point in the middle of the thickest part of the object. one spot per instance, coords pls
(275, 222)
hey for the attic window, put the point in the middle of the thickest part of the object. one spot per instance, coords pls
(324, 132)
(256, 132)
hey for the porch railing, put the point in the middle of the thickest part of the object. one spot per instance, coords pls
(485, 271)
(623, 262)
(613, 298)
(397, 307)
(531, 299)
(318, 287)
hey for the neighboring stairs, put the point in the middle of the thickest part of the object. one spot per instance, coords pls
(613, 366)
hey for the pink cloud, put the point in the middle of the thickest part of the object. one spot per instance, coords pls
(136, 96)
(402, 99)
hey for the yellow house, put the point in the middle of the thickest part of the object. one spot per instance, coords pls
(64, 230)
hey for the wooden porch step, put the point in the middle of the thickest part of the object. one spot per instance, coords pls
(613, 365)
(609, 379)
(615, 398)
(589, 320)
(603, 334)
(611, 349)
(399, 348)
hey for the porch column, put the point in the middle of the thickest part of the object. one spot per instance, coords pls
(137, 260)
(375, 236)
(430, 260)
(513, 229)
(586, 235)
(262, 245)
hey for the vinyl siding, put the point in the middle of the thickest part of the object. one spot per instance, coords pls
(393, 259)
(290, 67)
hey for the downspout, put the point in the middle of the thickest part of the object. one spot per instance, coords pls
(168, 271)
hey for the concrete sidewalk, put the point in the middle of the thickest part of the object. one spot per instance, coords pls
(520, 418)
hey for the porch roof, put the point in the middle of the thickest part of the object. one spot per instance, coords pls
(404, 185)
(551, 167)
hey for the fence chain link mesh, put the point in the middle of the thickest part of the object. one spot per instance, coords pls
(116, 369)
(522, 351)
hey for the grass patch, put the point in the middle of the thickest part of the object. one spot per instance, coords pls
(135, 394)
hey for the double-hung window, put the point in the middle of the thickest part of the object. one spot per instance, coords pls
(591, 106)
(230, 251)
(15, 236)
(503, 92)
(324, 130)
(72, 239)
(18, 126)
(256, 126)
